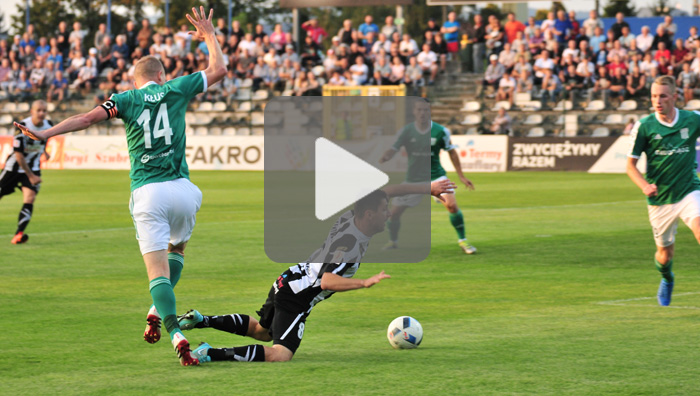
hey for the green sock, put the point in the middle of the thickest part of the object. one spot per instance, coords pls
(176, 261)
(665, 270)
(393, 227)
(164, 300)
(457, 221)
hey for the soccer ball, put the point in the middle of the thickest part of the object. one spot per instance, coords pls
(404, 333)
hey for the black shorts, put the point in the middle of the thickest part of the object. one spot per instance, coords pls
(286, 326)
(9, 181)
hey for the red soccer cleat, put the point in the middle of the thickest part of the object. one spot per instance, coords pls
(185, 353)
(152, 332)
(20, 237)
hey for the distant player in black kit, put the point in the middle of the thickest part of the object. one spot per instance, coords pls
(22, 168)
(294, 294)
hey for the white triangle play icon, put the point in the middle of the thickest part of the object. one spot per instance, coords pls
(342, 178)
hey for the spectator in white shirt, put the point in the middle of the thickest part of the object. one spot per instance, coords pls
(248, 44)
(645, 39)
(427, 60)
(359, 71)
(591, 23)
(408, 46)
(695, 65)
(507, 57)
(571, 50)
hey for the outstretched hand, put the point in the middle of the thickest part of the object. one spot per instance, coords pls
(32, 134)
(440, 187)
(369, 282)
(468, 183)
(202, 24)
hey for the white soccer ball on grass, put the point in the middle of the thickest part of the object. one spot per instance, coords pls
(405, 333)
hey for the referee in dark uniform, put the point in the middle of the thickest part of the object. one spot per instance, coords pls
(22, 167)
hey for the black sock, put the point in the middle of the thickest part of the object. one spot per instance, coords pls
(24, 216)
(236, 324)
(249, 353)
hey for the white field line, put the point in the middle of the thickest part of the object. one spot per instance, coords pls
(624, 303)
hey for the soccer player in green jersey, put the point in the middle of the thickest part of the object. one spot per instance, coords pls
(163, 201)
(413, 137)
(671, 185)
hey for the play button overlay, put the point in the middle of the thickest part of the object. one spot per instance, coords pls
(322, 155)
(342, 178)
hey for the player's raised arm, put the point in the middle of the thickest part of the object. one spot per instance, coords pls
(205, 31)
(71, 124)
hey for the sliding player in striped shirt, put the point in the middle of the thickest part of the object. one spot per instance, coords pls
(295, 293)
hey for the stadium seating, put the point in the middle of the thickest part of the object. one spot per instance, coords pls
(595, 105)
(533, 105)
(261, 94)
(471, 106)
(534, 119)
(6, 119)
(205, 106)
(536, 132)
(522, 98)
(229, 131)
(564, 105)
(502, 104)
(692, 105)
(219, 107)
(628, 105)
(600, 132)
(613, 119)
(626, 118)
(472, 119)
(9, 107)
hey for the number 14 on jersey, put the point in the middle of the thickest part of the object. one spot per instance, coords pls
(162, 125)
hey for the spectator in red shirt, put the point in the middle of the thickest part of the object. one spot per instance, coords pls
(662, 52)
(575, 26)
(316, 32)
(512, 27)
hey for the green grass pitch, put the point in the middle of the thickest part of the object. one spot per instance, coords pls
(558, 301)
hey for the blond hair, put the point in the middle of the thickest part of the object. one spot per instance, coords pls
(147, 68)
(666, 80)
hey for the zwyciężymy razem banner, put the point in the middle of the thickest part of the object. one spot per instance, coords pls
(571, 154)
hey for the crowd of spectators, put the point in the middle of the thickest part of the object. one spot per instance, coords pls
(54, 66)
(564, 58)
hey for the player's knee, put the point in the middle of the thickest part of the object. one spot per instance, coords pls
(179, 249)
(663, 256)
(278, 353)
(452, 207)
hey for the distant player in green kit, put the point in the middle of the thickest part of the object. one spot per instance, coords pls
(412, 137)
(668, 138)
(164, 203)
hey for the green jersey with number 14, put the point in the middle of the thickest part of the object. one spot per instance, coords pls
(154, 118)
(670, 151)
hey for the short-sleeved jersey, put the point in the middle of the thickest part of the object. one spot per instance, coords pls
(670, 152)
(31, 149)
(341, 253)
(154, 118)
(415, 142)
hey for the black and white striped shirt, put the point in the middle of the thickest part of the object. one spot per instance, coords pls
(31, 149)
(341, 253)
